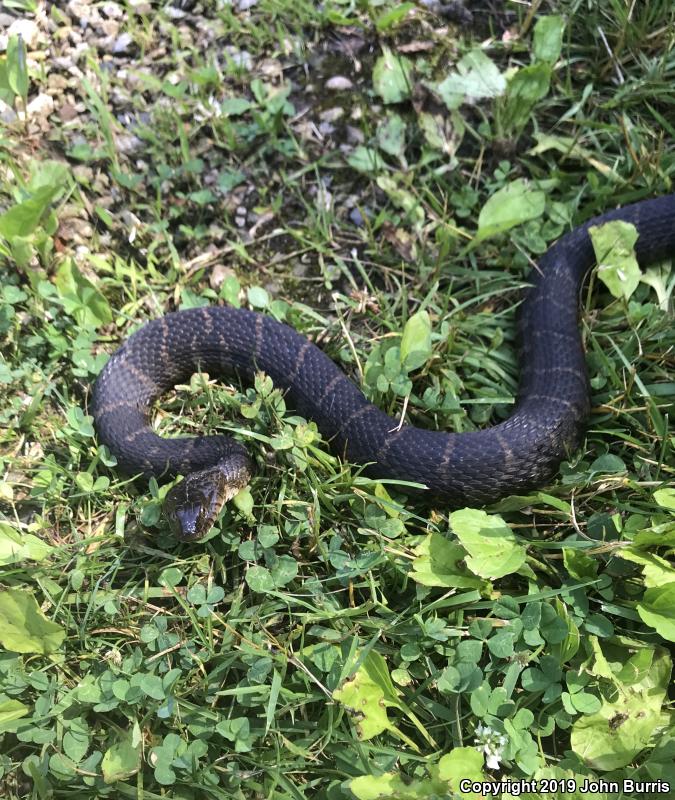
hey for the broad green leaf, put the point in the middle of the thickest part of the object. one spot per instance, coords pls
(547, 38)
(84, 481)
(402, 198)
(15, 546)
(512, 205)
(608, 463)
(7, 94)
(392, 76)
(259, 579)
(258, 297)
(525, 89)
(565, 650)
(443, 132)
(618, 268)
(23, 626)
(48, 174)
(665, 498)
(368, 694)
(656, 536)
(10, 712)
(16, 65)
(375, 667)
(600, 667)
(77, 739)
(443, 781)
(416, 341)
(657, 609)
(121, 760)
(570, 148)
(440, 562)
(461, 763)
(62, 767)
(284, 571)
(237, 730)
(515, 502)
(366, 700)
(657, 276)
(243, 502)
(475, 78)
(152, 686)
(657, 571)
(394, 15)
(80, 297)
(387, 505)
(391, 135)
(491, 544)
(579, 565)
(23, 218)
(382, 787)
(234, 106)
(365, 159)
(615, 735)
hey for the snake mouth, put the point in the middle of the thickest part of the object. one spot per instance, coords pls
(193, 505)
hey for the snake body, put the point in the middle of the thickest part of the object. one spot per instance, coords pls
(471, 468)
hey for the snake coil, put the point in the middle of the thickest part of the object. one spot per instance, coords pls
(460, 469)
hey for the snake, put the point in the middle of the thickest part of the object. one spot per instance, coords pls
(473, 468)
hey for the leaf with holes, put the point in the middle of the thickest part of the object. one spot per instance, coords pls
(614, 244)
(491, 544)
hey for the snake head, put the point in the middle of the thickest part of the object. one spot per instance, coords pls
(192, 506)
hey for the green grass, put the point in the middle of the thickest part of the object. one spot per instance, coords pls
(134, 666)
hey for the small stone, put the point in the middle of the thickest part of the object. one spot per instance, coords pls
(139, 7)
(7, 113)
(56, 82)
(122, 43)
(63, 62)
(356, 217)
(112, 10)
(240, 58)
(128, 144)
(41, 106)
(355, 135)
(338, 83)
(270, 67)
(109, 27)
(332, 114)
(27, 29)
(174, 13)
(82, 12)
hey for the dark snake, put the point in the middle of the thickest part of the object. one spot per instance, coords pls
(473, 468)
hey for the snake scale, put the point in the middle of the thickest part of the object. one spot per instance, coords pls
(471, 468)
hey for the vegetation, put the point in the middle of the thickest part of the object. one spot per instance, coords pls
(380, 175)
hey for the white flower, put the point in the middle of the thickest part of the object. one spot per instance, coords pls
(491, 743)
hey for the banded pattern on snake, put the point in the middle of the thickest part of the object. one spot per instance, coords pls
(459, 469)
